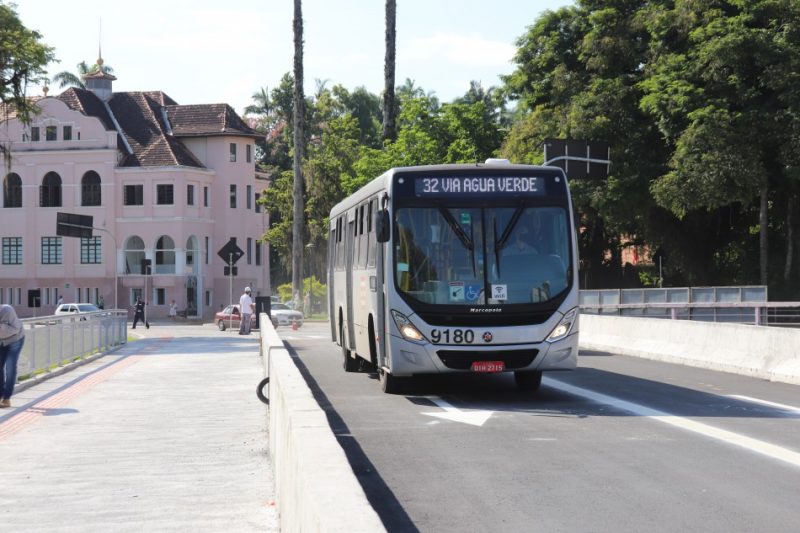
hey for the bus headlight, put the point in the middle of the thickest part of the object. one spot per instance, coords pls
(564, 327)
(407, 329)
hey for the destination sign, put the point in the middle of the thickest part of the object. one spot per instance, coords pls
(483, 185)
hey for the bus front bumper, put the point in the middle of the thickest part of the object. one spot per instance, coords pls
(412, 358)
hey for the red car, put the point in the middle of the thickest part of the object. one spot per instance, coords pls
(231, 318)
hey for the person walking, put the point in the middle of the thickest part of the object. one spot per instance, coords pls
(173, 310)
(101, 303)
(12, 337)
(246, 310)
(138, 313)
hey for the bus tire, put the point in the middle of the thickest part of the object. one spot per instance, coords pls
(260, 390)
(349, 363)
(390, 384)
(528, 381)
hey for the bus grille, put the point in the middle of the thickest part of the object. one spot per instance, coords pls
(462, 360)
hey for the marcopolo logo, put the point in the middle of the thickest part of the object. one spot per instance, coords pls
(485, 310)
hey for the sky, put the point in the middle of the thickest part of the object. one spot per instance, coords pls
(203, 51)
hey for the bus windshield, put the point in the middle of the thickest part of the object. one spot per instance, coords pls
(482, 256)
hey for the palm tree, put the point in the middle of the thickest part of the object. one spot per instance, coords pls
(262, 104)
(389, 126)
(298, 208)
(69, 79)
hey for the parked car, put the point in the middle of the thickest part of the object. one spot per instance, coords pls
(283, 315)
(231, 317)
(77, 309)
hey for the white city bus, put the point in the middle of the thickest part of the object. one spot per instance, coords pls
(456, 268)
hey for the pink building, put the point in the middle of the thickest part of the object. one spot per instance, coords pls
(164, 182)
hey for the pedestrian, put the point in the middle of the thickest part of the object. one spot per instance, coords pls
(246, 309)
(138, 313)
(173, 310)
(101, 304)
(12, 337)
(60, 300)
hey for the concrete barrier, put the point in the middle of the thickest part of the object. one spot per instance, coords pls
(315, 487)
(764, 352)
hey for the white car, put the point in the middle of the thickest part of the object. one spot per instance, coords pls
(75, 309)
(283, 315)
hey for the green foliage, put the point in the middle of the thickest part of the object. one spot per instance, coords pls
(698, 99)
(318, 289)
(23, 58)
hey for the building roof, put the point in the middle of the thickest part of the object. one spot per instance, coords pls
(207, 119)
(151, 124)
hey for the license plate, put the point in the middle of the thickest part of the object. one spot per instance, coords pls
(488, 366)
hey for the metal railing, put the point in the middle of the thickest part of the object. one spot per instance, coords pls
(54, 341)
(742, 305)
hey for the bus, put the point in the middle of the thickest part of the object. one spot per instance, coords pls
(456, 268)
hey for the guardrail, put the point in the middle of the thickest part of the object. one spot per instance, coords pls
(756, 313)
(52, 342)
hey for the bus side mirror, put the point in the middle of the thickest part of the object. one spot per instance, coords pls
(382, 225)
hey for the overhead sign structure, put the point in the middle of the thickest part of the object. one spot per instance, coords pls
(579, 159)
(230, 253)
(72, 225)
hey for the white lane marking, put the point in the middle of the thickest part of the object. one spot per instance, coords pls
(781, 406)
(748, 443)
(475, 417)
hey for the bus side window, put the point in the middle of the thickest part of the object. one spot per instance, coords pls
(371, 241)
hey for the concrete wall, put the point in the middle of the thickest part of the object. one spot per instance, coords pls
(764, 352)
(315, 487)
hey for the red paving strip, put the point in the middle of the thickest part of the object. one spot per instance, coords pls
(31, 414)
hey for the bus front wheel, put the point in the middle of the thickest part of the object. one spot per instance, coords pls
(390, 384)
(529, 381)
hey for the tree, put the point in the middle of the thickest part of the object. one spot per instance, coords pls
(23, 57)
(299, 142)
(576, 78)
(69, 79)
(389, 126)
(724, 91)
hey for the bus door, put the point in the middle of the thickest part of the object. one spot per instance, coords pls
(332, 246)
(349, 247)
(380, 274)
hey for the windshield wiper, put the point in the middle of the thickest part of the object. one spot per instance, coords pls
(461, 234)
(500, 243)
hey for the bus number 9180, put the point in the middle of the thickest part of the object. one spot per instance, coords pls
(455, 336)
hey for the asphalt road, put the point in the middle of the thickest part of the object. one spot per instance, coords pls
(621, 444)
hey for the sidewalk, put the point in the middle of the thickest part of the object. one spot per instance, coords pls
(165, 434)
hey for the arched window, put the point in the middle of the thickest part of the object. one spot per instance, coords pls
(90, 188)
(134, 254)
(12, 191)
(165, 255)
(192, 254)
(50, 191)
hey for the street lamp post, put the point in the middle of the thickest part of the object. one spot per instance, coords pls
(116, 265)
(310, 248)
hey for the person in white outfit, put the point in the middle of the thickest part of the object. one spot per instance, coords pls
(246, 309)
